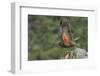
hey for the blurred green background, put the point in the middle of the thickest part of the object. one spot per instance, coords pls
(43, 35)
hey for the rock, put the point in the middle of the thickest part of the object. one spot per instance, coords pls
(80, 53)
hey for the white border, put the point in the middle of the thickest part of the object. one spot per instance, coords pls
(19, 38)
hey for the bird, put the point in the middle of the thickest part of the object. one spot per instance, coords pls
(65, 32)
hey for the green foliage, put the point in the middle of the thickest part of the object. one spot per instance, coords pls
(43, 36)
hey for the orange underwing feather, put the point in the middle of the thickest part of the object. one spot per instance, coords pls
(66, 39)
